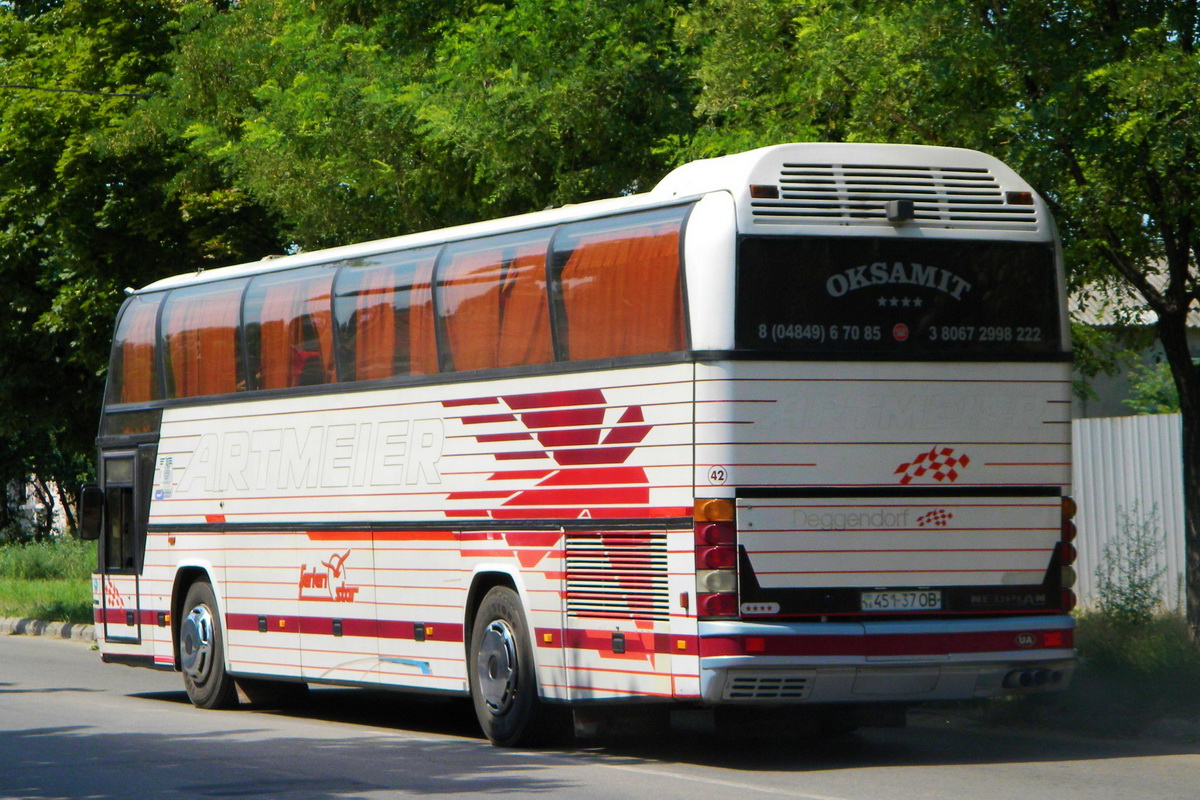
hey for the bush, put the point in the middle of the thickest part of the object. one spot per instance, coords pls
(1129, 575)
(61, 558)
(1157, 650)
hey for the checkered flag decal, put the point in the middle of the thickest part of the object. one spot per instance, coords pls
(936, 518)
(941, 465)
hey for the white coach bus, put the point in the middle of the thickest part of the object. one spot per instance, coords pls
(790, 430)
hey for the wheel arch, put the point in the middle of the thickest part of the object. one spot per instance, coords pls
(483, 581)
(485, 578)
(185, 576)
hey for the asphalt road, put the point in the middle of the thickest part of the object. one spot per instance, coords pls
(71, 727)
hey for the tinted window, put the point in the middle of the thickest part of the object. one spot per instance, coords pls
(896, 296)
(133, 373)
(383, 306)
(492, 302)
(289, 329)
(621, 286)
(200, 339)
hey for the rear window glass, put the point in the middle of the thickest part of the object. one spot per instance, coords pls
(896, 297)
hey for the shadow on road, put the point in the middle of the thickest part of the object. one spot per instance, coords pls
(423, 747)
(928, 741)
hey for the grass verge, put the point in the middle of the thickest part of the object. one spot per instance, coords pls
(50, 600)
(47, 580)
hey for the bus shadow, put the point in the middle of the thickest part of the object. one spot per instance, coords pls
(918, 745)
(84, 763)
(366, 707)
(927, 741)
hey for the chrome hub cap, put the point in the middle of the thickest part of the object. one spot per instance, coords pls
(196, 644)
(496, 665)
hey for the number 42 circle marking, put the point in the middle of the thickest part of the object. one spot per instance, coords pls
(718, 475)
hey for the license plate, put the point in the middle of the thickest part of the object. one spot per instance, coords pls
(923, 600)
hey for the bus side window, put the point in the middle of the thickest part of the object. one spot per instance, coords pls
(289, 329)
(382, 307)
(133, 373)
(200, 339)
(119, 544)
(620, 284)
(492, 302)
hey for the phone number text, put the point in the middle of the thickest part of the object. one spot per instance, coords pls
(783, 332)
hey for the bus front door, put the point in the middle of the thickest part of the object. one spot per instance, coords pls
(123, 476)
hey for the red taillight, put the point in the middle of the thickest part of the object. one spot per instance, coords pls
(1068, 600)
(1066, 553)
(722, 604)
(716, 533)
(716, 557)
(1068, 531)
(1019, 198)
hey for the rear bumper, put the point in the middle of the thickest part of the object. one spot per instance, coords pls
(884, 661)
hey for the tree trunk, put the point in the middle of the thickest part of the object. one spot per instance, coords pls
(1173, 335)
(68, 499)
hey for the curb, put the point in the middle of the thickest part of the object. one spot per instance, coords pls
(38, 627)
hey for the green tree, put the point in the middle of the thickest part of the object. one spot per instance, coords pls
(358, 120)
(1094, 102)
(301, 110)
(80, 218)
(1152, 389)
(547, 102)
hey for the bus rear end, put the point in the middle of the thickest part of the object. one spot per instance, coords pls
(883, 448)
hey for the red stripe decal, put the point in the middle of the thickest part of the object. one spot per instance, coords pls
(364, 628)
(487, 418)
(339, 536)
(488, 438)
(520, 475)
(928, 644)
(478, 401)
(575, 397)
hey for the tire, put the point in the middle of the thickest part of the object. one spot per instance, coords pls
(501, 671)
(202, 651)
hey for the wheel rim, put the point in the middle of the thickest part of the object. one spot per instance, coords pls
(497, 667)
(196, 644)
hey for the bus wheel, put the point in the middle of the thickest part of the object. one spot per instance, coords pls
(202, 652)
(503, 684)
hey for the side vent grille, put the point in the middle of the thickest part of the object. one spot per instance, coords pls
(617, 575)
(768, 685)
(842, 194)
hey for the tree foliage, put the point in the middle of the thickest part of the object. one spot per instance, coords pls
(79, 220)
(354, 122)
(1093, 101)
(163, 135)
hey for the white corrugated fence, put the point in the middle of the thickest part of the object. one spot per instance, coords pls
(1128, 470)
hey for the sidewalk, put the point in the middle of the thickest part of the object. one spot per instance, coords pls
(37, 627)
